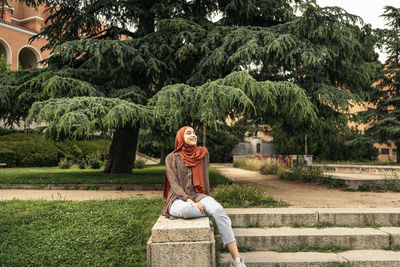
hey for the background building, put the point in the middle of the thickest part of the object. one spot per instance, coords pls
(17, 24)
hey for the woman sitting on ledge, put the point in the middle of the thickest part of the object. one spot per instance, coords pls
(187, 188)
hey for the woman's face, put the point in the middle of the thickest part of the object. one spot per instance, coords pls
(190, 136)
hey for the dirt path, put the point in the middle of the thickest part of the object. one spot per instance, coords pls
(309, 195)
(297, 194)
(75, 195)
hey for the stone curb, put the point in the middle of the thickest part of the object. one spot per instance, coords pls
(376, 258)
(259, 239)
(128, 187)
(276, 217)
(135, 187)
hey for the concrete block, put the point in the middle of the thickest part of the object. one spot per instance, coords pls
(181, 243)
(181, 254)
(298, 259)
(272, 217)
(359, 216)
(372, 258)
(395, 234)
(285, 237)
(166, 230)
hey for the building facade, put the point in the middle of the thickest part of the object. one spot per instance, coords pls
(18, 23)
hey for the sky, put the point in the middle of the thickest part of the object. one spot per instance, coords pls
(368, 10)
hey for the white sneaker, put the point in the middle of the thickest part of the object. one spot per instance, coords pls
(238, 264)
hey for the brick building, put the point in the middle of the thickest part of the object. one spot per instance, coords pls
(17, 24)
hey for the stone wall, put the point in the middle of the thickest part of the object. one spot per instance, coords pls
(181, 243)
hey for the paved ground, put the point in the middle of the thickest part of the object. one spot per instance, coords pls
(76, 195)
(297, 194)
(309, 195)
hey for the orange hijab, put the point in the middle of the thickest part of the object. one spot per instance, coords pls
(193, 157)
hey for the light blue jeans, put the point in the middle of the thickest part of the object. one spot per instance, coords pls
(187, 210)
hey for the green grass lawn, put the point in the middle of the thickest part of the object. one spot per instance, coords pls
(66, 233)
(55, 175)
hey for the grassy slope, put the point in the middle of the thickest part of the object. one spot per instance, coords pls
(88, 233)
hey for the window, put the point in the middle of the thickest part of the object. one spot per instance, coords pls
(394, 151)
(258, 148)
(385, 151)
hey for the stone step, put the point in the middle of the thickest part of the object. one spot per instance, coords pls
(364, 258)
(277, 217)
(355, 180)
(283, 238)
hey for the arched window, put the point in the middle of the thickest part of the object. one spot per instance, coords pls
(28, 58)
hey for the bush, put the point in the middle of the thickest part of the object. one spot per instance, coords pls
(82, 164)
(311, 175)
(272, 167)
(32, 150)
(8, 157)
(244, 196)
(65, 164)
(250, 163)
(93, 162)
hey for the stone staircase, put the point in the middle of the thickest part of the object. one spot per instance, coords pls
(316, 237)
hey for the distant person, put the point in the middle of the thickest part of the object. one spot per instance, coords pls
(187, 188)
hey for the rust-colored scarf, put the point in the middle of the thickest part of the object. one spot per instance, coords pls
(193, 157)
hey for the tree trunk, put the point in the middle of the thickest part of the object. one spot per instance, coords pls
(162, 156)
(397, 152)
(204, 135)
(123, 150)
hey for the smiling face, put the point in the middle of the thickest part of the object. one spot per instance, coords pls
(190, 136)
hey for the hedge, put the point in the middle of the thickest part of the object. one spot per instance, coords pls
(33, 150)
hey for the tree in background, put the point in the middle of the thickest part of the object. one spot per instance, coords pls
(384, 121)
(176, 50)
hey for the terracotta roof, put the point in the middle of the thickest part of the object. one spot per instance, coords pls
(17, 26)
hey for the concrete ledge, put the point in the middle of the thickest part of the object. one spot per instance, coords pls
(282, 238)
(181, 230)
(181, 243)
(84, 186)
(369, 258)
(358, 217)
(298, 259)
(271, 217)
(372, 258)
(276, 217)
(394, 232)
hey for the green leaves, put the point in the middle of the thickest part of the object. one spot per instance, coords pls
(235, 95)
(385, 119)
(84, 116)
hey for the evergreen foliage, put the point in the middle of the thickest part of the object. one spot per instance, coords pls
(384, 120)
(190, 69)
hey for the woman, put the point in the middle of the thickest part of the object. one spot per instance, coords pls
(187, 188)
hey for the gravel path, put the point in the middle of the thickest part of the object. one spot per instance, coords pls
(309, 195)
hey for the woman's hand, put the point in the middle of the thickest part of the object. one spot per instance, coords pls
(198, 204)
(200, 207)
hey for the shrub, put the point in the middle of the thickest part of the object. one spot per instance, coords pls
(32, 150)
(250, 163)
(82, 164)
(311, 175)
(273, 168)
(139, 164)
(244, 196)
(93, 162)
(65, 164)
(8, 157)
